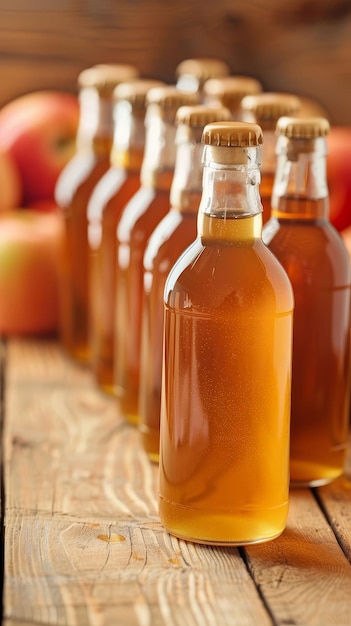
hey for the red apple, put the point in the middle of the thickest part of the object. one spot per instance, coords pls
(48, 205)
(339, 176)
(10, 183)
(38, 130)
(30, 253)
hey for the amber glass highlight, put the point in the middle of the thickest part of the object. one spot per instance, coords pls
(138, 221)
(77, 182)
(114, 191)
(178, 231)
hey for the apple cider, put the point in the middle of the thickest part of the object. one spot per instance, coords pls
(138, 220)
(314, 256)
(73, 189)
(105, 206)
(169, 239)
(225, 404)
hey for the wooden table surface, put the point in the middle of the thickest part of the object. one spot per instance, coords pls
(83, 542)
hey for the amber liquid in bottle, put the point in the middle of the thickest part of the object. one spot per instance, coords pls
(224, 445)
(311, 251)
(113, 192)
(139, 219)
(178, 229)
(77, 182)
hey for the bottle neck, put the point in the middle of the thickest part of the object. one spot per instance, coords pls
(230, 207)
(129, 136)
(300, 187)
(160, 149)
(95, 129)
(186, 186)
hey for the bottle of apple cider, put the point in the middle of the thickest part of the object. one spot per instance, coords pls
(138, 219)
(225, 402)
(105, 205)
(229, 91)
(170, 238)
(74, 186)
(191, 74)
(301, 236)
(265, 109)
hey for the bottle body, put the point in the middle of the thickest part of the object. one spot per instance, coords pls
(224, 452)
(318, 267)
(111, 194)
(138, 220)
(74, 187)
(316, 261)
(174, 233)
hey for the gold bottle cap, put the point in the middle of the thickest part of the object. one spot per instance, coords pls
(203, 68)
(303, 128)
(222, 137)
(170, 97)
(198, 116)
(267, 107)
(230, 90)
(104, 78)
(232, 134)
(135, 91)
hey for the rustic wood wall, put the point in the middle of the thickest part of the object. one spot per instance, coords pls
(302, 46)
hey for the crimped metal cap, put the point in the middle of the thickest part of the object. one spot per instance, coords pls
(105, 77)
(231, 89)
(170, 97)
(135, 91)
(303, 127)
(267, 107)
(203, 68)
(232, 134)
(200, 115)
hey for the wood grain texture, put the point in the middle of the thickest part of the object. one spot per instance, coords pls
(84, 544)
(298, 46)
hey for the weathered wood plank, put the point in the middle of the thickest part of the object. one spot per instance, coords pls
(303, 575)
(335, 500)
(84, 544)
(304, 47)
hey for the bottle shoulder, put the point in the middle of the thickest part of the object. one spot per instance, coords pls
(104, 191)
(75, 174)
(311, 246)
(228, 276)
(138, 215)
(171, 236)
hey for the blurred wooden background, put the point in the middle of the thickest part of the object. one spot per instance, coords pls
(303, 46)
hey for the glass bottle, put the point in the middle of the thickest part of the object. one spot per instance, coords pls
(225, 403)
(191, 74)
(229, 91)
(169, 239)
(265, 109)
(105, 205)
(301, 236)
(138, 219)
(74, 186)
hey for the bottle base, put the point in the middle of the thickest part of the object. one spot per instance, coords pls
(312, 475)
(79, 355)
(151, 442)
(244, 526)
(315, 482)
(228, 543)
